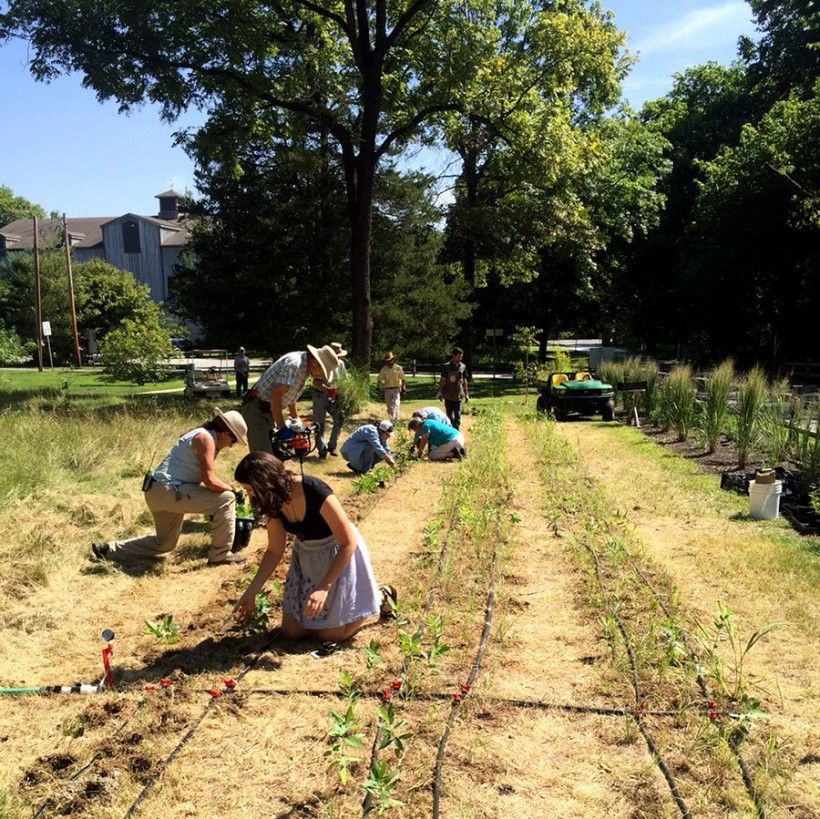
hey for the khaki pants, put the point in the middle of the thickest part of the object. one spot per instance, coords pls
(392, 398)
(440, 452)
(259, 424)
(169, 507)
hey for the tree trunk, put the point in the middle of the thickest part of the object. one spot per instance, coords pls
(361, 225)
(469, 173)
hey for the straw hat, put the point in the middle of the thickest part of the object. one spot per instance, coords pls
(388, 358)
(338, 349)
(235, 423)
(327, 358)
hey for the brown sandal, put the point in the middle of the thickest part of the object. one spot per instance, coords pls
(389, 600)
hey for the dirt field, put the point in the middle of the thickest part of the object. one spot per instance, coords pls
(553, 655)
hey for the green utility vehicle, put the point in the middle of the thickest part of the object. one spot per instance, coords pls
(579, 392)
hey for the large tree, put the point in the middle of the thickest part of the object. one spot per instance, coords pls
(16, 207)
(370, 73)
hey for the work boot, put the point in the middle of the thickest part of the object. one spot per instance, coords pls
(323, 455)
(229, 558)
(100, 550)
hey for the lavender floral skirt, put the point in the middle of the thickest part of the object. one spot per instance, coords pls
(353, 596)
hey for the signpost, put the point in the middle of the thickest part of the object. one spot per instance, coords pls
(47, 334)
(493, 333)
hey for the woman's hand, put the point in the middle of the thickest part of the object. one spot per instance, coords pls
(315, 604)
(245, 606)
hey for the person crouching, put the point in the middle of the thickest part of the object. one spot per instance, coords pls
(443, 442)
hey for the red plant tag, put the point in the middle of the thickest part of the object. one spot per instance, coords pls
(457, 698)
(230, 683)
(214, 693)
(395, 685)
(165, 682)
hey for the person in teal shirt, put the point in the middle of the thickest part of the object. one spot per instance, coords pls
(443, 442)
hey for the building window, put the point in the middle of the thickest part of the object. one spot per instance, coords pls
(131, 237)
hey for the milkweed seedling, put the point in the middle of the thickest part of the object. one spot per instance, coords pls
(164, 629)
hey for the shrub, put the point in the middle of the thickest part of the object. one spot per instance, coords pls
(751, 393)
(775, 428)
(680, 394)
(12, 349)
(715, 408)
(352, 391)
(136, 351)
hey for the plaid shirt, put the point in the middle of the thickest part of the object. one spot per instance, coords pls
(290, 369)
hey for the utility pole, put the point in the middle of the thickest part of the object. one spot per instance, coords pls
(67, 243)
(38, 297)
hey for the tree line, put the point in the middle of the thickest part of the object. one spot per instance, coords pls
(687, 229)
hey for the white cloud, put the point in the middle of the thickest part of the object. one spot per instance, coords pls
(698, 29)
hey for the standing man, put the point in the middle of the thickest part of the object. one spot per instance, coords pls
(241, 367)
(452, 386)
(391, 380)
(324, 402)
(280, 386)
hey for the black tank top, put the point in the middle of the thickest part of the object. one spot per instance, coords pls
(313, 526)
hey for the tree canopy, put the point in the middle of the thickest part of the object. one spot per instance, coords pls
(16, 207)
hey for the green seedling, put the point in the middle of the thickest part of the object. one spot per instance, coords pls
(371, 654)
(345, 735)
(164, 629)
(244, 510)
(349, 687)
(390, 730)
(380, 784)
(437, 648)
(410, 644)
(257, 623)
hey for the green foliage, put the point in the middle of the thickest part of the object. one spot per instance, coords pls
(353, 391)
(257, 622)
(380, 783)
(371, 654)
(775, 431)
(12, 349)
(751, 395)
(437, 648)
(136, 351)
(715, 408)
(680, 395)
(390, 730)
(164, 629)
(16, 207)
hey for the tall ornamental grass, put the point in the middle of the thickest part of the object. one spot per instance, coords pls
(680, 397)
(352, 391)
(715, 408)
(805, 428)
(633, 369)
(751, 396)
(775, 430)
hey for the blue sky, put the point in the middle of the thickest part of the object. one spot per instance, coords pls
(60, 148)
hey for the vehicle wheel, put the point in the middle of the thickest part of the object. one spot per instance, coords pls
(560, 413)
(608, 412)
(542, 405)
(225, 393)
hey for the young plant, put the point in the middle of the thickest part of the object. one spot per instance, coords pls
(257, 622)
(380, 783)
(371, 654)
(410, 644)
(715, 408)
(390, 730)
(773, 424)
(344, 735)
(164, 629)
(437, 648)
(751, 393)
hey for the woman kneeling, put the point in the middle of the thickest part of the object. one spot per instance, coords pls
(330, 590)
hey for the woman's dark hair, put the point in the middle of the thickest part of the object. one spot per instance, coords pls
(218, 425)
(272, 484)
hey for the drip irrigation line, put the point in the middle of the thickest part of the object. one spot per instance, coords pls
(367, 803)
(748, 783)
(485, 634)
(650, 743)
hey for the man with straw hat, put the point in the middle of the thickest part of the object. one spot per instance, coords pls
(391, 380)
(280, 386)
(324, 402)
(186, 482)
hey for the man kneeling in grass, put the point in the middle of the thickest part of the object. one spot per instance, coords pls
(444, 443)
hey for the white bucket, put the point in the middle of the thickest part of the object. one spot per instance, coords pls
(764, 500)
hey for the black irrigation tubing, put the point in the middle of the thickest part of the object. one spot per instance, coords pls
(482, 645)
(748, 783)
(367, 803)
(49, 803)
(673, 785)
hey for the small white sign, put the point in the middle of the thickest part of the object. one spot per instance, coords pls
(491, 333)
(46, 328)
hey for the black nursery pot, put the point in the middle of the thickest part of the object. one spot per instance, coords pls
(242, 533)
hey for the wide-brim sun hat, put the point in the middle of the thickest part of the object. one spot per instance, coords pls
(235, 423)
(327, 358)
(338, 349)
(389, 357)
